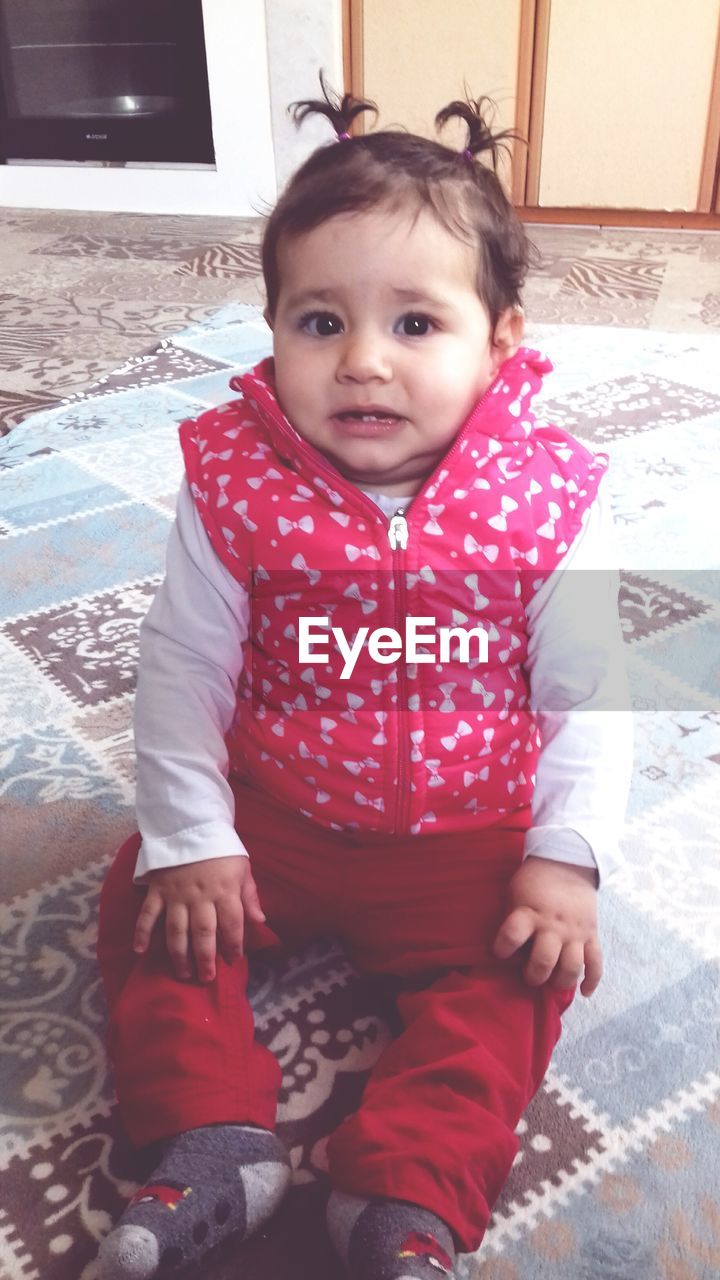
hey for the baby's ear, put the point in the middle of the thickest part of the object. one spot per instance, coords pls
(508, 334)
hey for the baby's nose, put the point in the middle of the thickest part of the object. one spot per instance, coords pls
(364, 356)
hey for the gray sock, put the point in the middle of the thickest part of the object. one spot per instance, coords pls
(389, 1239)
(211, 1183)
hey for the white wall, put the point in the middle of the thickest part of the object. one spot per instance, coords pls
(304, 38)
(248, 50)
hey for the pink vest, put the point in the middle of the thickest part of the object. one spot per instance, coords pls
(398, 747)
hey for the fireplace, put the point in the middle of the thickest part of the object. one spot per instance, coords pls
(104, 80)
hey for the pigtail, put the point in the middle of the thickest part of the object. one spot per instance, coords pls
(340, 111)
(481, 137)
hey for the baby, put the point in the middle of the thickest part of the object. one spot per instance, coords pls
(373, 700)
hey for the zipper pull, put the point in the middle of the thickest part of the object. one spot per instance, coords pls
(398, 533)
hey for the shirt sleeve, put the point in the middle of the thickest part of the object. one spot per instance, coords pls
(190, 661)
(579, 696)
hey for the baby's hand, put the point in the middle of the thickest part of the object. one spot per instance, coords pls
(202, 901)
(554, 903)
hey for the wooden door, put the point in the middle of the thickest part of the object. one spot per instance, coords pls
(628, 91)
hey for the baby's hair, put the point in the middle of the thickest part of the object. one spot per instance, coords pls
(395, 170)
(480, 136)
(339, 111)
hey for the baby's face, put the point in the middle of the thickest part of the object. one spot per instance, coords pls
(382, 345)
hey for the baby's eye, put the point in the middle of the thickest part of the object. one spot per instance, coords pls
(414, 326)
(321, 324)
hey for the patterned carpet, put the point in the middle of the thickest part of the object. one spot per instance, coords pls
(617, 1177)
(82, 291)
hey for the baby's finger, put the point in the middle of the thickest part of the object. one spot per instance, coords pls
(231, 928)
(176, 939)
(203, 931)
(514, 932)
(593, 967)
(543, 958)
(150, 912)
(569, 969)
(251, 901)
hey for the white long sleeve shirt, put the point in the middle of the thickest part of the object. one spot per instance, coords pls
(191, 660)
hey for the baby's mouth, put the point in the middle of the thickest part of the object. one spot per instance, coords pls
(367, 415)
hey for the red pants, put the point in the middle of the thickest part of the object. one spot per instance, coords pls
(436, 1124)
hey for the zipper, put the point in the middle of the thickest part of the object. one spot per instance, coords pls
(398, 532)
(398, 537)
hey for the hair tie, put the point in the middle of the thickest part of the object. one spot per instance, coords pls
(343, 137)
(468, 155)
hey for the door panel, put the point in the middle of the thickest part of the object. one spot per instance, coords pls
(626, 103)
(418, 55)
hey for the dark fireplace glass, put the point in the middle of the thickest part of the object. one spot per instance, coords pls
(109, 79)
